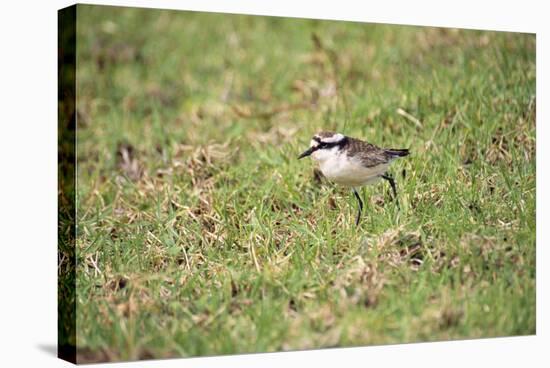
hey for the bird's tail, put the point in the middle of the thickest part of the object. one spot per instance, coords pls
(397, 152)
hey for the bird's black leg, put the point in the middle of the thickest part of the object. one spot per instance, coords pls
(389, 178)
(360, 206)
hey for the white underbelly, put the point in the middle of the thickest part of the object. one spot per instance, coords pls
(351, 173)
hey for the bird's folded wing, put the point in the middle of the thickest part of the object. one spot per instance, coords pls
(369, 154)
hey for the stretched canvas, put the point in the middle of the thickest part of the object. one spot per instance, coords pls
(189, 227)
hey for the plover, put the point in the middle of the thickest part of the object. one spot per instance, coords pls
(352, 162)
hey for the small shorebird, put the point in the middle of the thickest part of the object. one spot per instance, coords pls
(352, 162)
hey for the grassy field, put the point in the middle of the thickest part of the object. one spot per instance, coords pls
(200, 233)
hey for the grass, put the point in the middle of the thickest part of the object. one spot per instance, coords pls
(200, 233)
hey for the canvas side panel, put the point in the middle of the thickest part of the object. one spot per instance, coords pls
(66, 161)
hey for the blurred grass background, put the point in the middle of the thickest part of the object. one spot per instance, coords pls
(200, 233)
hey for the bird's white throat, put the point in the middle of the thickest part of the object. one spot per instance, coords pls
(325, 154)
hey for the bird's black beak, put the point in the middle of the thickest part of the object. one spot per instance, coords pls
(306, 153)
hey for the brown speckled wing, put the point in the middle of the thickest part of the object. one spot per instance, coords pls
(369, 154)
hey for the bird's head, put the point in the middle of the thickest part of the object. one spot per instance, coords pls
(323, 144)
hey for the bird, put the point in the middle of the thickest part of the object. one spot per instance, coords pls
(352, 162)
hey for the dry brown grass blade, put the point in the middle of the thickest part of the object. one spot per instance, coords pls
(127, 161)
(409, 117)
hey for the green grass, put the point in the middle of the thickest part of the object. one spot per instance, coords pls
(200, 233)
